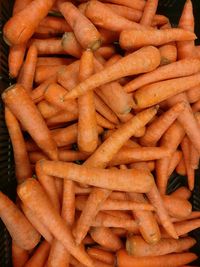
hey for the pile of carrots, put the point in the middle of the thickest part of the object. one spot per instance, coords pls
(96, 134)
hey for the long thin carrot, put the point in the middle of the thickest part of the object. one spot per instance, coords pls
(22, 25)
(149, 12)
(21, 231)
(32, 195)
(87, 35)
(175, 159)
(87, 137)
(22, 164)
(181, 68)
(70, 44)
(15, 59)
(101, 255)
(19, 255)
(27, 113)
(130, 39)
(176, 259)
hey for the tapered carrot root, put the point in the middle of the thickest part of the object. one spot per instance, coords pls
(27, 114)
(181, 168)
(101, 255)
(21, 231)
(19, 255)
(70, 45)
(130, 39)
(15, 59)
(149, 12)
(176, 259)
(176, 158)
(168, 54)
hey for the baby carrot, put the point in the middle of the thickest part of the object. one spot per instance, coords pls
(85, 32)
(20, 229)
(19, 255)
(149, 12)
(27, 113)
(70, 45)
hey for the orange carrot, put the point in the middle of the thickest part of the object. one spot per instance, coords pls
(22, 164)
(47, 110)
(175, 159)
(20, 5)
(107, 51)
(176, 259)
(181, 168)
(194, 157)
(70, 45)
(108, 37)
(185, 227)
(48, 46)
(55, 23)
(61, 117)
(113, 60)
(101, 255)
(27, 113)
(159, 126)
(132, 38)
(116, 71)
(138, 4)
(15, 59)
(196, 106)
(168, 54)
(180, 68)
(21, 231)
(149, 12)
(44, 73)
(193, 94)
(38, 202)
(101, 15)
(53, 61)
(182, 192)
(106, 238)
(87, 137)
(85, 32)
(22, 25)
(159, 20)
(19, 255)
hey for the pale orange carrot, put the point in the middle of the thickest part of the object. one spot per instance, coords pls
(194, 157)
(70, 45)
(15, 59)
(19, 255)
(168, 54)
(149, 12)
(107, 51)
(48, 46)
(61, 118)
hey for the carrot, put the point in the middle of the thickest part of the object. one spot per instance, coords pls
(124, 215)
(176, 259)
(54, 61)
(56, 23)
(61, 118)
(110, 204)
(22, 25)
(85, 32)
(44, 73)
(117, 70)
(20, 5)
(130, 155)
(175, 159)
(87, 137)
(160, 20)
(181, 68)
(15, 59)
(36, 223)
(21, 231)
(119, 232)
(182, 192)
(101, 15)
(29, 68)
(138, 4)
(27, 114)
(149, 12)
(132, 38)
(168, 54)
(47, 110)
(108, 37)
(38, 202)
(186, 22)
(113, 60)
(196, 106)
(159, 126)
(181, 168)
(70, 45)
(154, 93)
(107, 51)
(22, 163)
(106, 238)
(185, 227)
(194, 157)
(48, 46)
(101, 255)
(40, 256)
(193, 94)
(19, 255)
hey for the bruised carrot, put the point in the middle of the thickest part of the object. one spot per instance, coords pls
(21, 231)
(22, 164)
(27, 113)
(137, 247)
(85, 32)
(181, 168)
(175, 159)
(47, 110)
(176, 259)
(53, 61)
(132, 38)
(182, 192)
(22, 25)
(48, 46)
(70, 45)
(44, 73)
(106, 238)
(168, 54)
(101, 255)
(149, 12)
(32, 195)
(19, 255)
(15, 59)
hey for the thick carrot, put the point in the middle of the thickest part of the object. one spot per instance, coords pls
(19, 255)
(101, 255)
(15, 59)
(22, 25)
(70, 45)
(32, 195)
(40, 256)
(180, 68)
(21, 231)
(44, 73)
(55, 23)
(182, 192)
(168, 54)
(169, 260)
(47, 110)
(101, 15)
(137, 247)
(29, 68)
(138, 4)
(143, 60)
(175, 159)
(36, 223)
(22, 164)
(193, 94)
(48, 46)
(106, 238)
(85, 32)
(53, 61)
(149, 12)
(87, 136)
(155, 93)
(29, 117)
(180, 168)
(159, 126)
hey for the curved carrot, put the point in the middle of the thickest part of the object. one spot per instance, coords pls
(22, 164)
(70, 45)
(149, 12)
(15, 59)
(85, 32)
(101, 255)
(27, 113)
(20, 229)
(168, 54)
(22, 25)
(19, 255)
